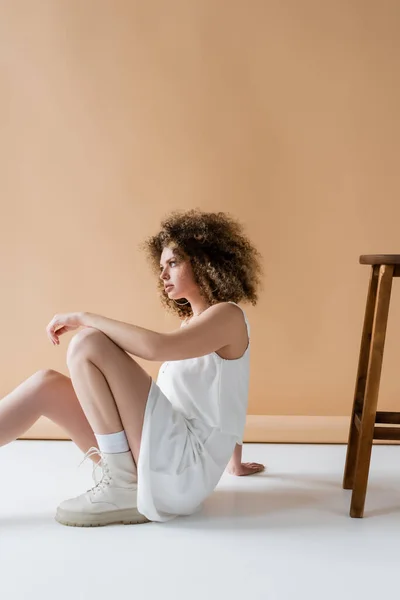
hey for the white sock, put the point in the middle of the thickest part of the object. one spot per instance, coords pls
(113, 443)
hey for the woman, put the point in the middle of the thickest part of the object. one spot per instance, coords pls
(162, 446)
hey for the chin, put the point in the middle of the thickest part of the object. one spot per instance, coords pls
(174, 295)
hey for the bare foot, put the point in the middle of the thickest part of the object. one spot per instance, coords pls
(245, 469)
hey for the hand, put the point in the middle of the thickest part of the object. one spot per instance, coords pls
(61, 324)
(244, 468)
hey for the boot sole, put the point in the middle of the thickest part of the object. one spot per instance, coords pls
(130, 516)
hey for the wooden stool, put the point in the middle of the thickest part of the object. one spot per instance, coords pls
(363, 429)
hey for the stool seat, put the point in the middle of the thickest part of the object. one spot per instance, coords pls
(380, 259)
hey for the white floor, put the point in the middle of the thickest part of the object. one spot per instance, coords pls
(281, 535)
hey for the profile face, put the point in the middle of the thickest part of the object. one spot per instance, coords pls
(177, 275)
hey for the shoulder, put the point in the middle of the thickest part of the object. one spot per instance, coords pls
(233, 308)
(226, 311)
(231, 319)
(221, 315)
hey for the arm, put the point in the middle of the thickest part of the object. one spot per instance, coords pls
(236, 459)
(135, 340)
(211, 332)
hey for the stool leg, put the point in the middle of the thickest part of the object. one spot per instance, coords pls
(361, 379)
(366, 434)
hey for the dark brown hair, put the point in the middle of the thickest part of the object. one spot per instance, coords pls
(226, 265)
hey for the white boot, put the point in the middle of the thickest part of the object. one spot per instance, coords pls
(112, 500)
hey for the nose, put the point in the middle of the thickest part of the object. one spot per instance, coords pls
(164, 275)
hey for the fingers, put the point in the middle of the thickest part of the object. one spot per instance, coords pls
(54, 339)
(51, 329)
(61, 331)
(50, 334)
(246, 469)
(255, 467)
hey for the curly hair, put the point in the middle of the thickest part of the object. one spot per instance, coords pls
(226, 265)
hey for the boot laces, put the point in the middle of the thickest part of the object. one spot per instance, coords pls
(104, 482)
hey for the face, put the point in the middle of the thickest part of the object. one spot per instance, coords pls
(177, 275)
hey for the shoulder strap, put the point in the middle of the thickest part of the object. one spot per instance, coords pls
(244, 315)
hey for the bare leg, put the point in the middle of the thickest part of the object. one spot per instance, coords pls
(52, 395)
(112, 387)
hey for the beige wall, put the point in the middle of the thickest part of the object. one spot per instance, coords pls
(283, 113)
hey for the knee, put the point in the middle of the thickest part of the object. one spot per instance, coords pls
(83, 344)
(45, 376)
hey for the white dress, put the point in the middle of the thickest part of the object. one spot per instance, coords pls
(195, 415)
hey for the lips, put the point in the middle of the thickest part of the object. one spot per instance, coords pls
(169, 286)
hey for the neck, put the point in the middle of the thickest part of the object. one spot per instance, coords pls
(198, 305)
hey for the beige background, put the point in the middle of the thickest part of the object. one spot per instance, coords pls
(284, 113)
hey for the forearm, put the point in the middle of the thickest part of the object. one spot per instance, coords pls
(135, 340)
(237, 455)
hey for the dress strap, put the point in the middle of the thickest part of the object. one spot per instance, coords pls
(244, 315)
